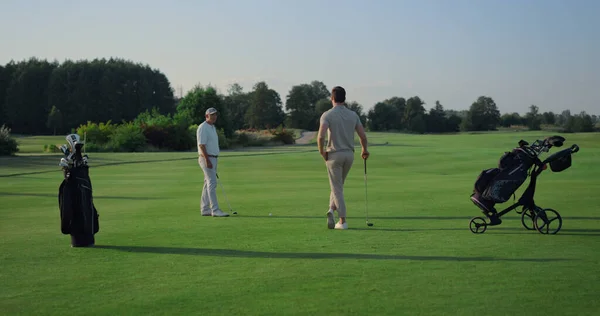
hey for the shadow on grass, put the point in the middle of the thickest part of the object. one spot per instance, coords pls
(306, 255)
(55, 196)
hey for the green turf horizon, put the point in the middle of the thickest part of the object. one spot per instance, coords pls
(156, 255)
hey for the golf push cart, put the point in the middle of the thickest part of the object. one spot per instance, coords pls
(497, 185)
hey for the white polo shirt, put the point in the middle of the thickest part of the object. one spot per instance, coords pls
(207, 135)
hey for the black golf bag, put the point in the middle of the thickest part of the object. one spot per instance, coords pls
(497, 185)
(78, 214)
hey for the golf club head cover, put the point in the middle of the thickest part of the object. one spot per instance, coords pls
(63, 163)
(65, 150)
(73, 139)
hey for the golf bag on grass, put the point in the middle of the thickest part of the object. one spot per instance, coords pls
(497, 185)
(78, 214)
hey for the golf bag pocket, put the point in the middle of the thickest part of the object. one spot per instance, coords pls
(505, 183)
(484, 179)
(486, 206)
(561, 164)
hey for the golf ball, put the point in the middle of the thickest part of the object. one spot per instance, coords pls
(270, 214)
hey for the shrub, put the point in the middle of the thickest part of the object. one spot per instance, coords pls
(249, 138)
(223, 141)
(171, 136)
(127, 137)
(51, 148)
(153, 118)
(180, 138)
(242, 138)
(156, 136)
(164, 132)
(96, 133)
(284, 136)
(8, 146)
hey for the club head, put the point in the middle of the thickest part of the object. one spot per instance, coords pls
(369, 224)
(556, 141)
(234, 213)
(65, 149)
(523, 143)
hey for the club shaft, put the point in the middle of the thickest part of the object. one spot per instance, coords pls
(366, 201)
(223, 189)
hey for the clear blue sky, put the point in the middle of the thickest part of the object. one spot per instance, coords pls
(543, 52)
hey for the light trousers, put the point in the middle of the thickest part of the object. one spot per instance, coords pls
(208, 201)
(338, 166)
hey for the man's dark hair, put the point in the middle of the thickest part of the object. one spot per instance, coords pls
(339, 94)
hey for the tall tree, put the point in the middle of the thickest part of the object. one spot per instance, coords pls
(356, 107)
(399, 105)
(236, 103)
(54, 119)
(510, 119)
(533, 118)
(483, 115)
(436, 119)
(382, 117)
(194, 105)
(265, 109)
(301, 102)
(5, 80)
(548, 118)
(26, 103)
(414, 115)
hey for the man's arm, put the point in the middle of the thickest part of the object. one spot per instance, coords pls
(321, 138)
(363, 140)
(202, 148)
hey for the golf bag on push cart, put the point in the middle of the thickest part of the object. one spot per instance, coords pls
(78, 215)
(498, 185)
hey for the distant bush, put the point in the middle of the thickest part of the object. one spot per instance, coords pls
(284, 136)
(8, 145)
(164, 132)
(169, 137)
(51, 148)
(127, 137)
(251, 139)
(95, 133)
(152, 131)
(223, 141)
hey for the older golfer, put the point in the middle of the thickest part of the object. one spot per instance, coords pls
(340, 123)
(208, 150)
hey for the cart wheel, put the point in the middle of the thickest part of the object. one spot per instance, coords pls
(527, 217)
(477, 225)
(547, 221)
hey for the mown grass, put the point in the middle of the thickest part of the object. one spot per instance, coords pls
(156, 255)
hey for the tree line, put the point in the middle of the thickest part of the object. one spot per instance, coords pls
(42, 97)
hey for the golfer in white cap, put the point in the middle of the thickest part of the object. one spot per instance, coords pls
(208, 151)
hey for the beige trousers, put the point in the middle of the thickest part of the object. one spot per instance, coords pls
(338, 167)
(208, 200)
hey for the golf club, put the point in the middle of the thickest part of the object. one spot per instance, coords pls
(366, 208)
(223, 189)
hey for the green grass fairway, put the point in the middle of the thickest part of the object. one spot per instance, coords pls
(156, 255)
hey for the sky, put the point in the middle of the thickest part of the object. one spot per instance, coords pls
(518, 52)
